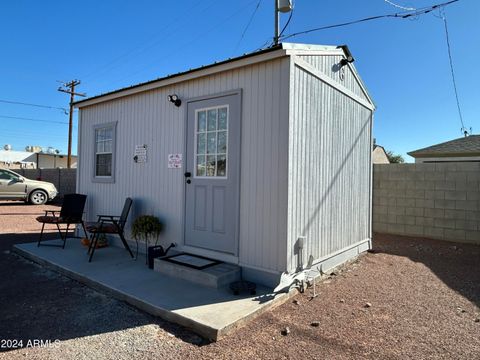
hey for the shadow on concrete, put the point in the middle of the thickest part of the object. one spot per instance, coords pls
(456, 264)
(37, 303)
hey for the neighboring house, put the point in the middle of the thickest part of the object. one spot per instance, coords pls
(12, 159)
(461, 149)
(379, 155)
(262, 160)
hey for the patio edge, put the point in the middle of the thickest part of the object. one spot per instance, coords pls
(210, 333)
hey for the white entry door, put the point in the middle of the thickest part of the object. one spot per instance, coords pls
(212, 173)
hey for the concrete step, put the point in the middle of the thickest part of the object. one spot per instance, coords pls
(216, 276)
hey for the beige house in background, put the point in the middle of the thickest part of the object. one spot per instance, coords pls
(463, 149)
(11, 159)
(379, 155)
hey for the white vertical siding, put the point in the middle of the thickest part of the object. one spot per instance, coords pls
(147, 118)
(329, 66)
(329, 164)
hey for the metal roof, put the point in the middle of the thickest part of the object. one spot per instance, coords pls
(284, 46)
(464, 146)
(273, 48)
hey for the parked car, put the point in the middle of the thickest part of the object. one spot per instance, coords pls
(14, 186)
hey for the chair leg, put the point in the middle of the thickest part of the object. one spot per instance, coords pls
(125, 243)
(94, 245)
(41, 235)
(65, 238)
(92, 238)
(84, 231)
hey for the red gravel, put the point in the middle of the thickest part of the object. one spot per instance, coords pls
(18, 217)
(424, 296)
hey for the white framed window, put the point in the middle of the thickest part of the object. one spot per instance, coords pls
(211, 142)
(104, 152)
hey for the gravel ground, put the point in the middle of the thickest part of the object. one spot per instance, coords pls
(410, 298)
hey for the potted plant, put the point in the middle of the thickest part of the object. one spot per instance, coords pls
(147, 228)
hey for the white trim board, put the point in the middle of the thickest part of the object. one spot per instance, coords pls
(329, 81)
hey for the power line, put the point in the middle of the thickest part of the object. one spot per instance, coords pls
(34, 105)
(447, 38)
(154, 41)
(32, 119)
(401, 15)
(192, 40)
(288, 21)
(24, 135)
(248, 24)
(399, 6)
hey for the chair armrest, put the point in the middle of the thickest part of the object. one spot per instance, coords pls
(107, 216)
(110, 221)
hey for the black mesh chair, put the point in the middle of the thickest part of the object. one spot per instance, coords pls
(71, 213)
(109, 224)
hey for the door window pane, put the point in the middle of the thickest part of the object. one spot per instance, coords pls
(212, 120)
(222, 118)
(201, 165)
(201, 143)
(222, 142)
(202, 120)
(211, 142)
(211, 164)
(221, 165)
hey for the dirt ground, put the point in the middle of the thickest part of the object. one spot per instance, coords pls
(411, 298)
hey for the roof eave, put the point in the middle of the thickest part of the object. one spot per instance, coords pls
(259, 56)
(460, 154)
(284, 49)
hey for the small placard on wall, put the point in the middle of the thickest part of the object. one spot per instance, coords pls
(140, 155)
(175, 161)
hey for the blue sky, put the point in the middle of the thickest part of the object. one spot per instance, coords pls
(112, 44)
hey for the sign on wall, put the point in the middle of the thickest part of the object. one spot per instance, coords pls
(140, 155)
(175, 161)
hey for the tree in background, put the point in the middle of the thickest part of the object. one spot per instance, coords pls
(394, 158)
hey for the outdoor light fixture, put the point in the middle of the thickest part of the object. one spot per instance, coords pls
(174, 99)
(349, 58)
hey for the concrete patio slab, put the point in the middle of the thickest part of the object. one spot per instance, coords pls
(212, 313)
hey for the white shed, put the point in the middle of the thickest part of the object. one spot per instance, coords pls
(261, 151)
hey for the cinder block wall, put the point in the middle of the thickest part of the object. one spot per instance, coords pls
(63, 179)
(439, 201)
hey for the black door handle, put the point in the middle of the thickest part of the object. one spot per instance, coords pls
(188, 174)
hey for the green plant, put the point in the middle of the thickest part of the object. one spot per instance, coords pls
(394, 158)
(147, 228)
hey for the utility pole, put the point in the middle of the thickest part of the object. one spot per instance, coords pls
(69, 88)
(277, 20)
(283, 6)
